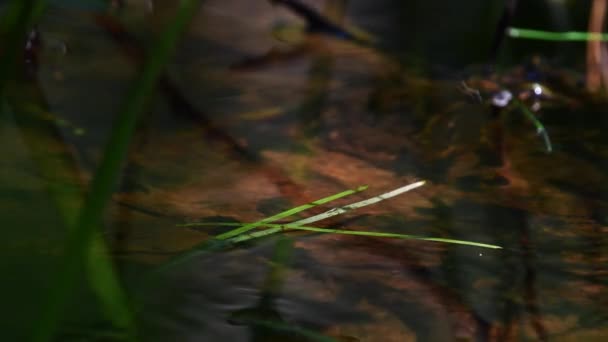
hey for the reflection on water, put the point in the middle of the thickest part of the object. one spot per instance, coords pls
(229, 140)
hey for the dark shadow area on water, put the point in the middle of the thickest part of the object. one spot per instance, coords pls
(245, 123)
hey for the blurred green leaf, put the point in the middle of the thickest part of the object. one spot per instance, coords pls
(102, 187)
(105, 283)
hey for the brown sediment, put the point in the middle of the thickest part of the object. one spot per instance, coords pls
(132, 48)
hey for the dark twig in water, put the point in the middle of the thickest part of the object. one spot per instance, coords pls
(501, 29)
(315, 22)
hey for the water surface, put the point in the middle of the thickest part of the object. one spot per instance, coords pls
(234, 136)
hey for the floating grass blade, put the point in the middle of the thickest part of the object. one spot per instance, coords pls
(361, 204)
(80, 240)
(333, 212)
(393, 235)
(242, 236)
(570, 36)
(226, 239)
(540, 128)
(288, 213)
(289, 226)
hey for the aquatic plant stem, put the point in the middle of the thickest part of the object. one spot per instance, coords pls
(103, 184)
(515, 32)
(540, 128)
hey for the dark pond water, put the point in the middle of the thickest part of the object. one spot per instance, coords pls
(244, 125)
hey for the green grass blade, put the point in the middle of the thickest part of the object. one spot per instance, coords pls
(540, 128)
(334, 211)
(240, 234)
(108, 173)
(107, 287)
(288, 213)
(282, 227)
(570, 36)
(360, 204)
(393, 235)
(226, 239)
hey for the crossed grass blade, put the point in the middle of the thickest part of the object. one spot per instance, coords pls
(243, 235)
(290, 212)
(226, 239)
(283, 227)
(334, 211)
(240, 234)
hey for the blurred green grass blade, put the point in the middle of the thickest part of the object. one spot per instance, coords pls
(282, 227)
(108, 173)
(107, 287)
(281, 259)
(540, 128)
(288, 213)
(515, 32)
(64, 186)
